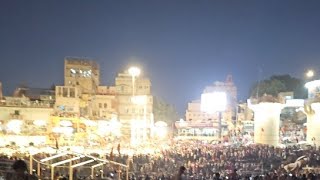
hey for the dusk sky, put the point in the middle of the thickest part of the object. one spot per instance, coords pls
(182, 46)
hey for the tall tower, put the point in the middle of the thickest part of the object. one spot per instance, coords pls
(82, 73)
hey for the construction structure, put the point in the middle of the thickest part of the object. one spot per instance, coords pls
(70, 161)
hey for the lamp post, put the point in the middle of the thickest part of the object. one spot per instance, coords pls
(310, 74)
(214, 102)
(142, 101)
(134, 72)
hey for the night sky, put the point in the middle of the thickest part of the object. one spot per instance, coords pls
(182, 46)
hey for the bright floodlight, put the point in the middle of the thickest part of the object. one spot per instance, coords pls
(103, 127)
(213, 102)
(67, 130)
(15, 125)
(139, 100)
(57, 129)
(65, 123)
(134, 71)
(39, 122)
(88, 122)
(310, 73)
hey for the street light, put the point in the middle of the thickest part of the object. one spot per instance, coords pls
(310, 74)
(134, 72)
(214, 102)
(142, 101)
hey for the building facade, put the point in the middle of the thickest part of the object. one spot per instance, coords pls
(200, 123)
(134, 116)
(82, 73)
(81, 107)
(25, 120)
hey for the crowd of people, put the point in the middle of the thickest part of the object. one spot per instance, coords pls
(199, 160)
(205, 161)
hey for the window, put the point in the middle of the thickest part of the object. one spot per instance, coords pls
(100, 105)
(59, 91)
(16, 112)
(105, 105)
(65, 92)
(72, 93)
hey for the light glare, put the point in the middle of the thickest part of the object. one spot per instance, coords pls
(139, 100)
(310, 73)
(213, 102)
(134, 71)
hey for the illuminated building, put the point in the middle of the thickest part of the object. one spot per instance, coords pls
(104, 104)
(82, 99)
(82, 73)
(201, 123)
(230, 89)
(79, 108)
(127, 110)
(26, 114)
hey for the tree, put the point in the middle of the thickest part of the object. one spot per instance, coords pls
(292, 84)
(269, 87)
(279, 83)
(163, 111)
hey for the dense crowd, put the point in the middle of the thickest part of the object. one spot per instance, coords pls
(205, 161)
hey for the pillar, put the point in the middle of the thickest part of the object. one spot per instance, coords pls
(267, 123)
(313, 125)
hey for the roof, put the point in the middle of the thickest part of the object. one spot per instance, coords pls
(33, 93)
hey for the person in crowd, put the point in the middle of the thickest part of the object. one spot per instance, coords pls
(181, 175)
(234, 175)
(217, 176)
(20, 172)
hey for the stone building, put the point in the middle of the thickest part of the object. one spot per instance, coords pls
(129, 111)
(81, 105)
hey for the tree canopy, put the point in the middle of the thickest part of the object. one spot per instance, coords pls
(162, 111)
(279, 83)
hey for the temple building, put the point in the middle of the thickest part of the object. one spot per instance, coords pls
(199, 123)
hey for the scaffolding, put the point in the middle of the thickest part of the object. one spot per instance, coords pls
(89, 162)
